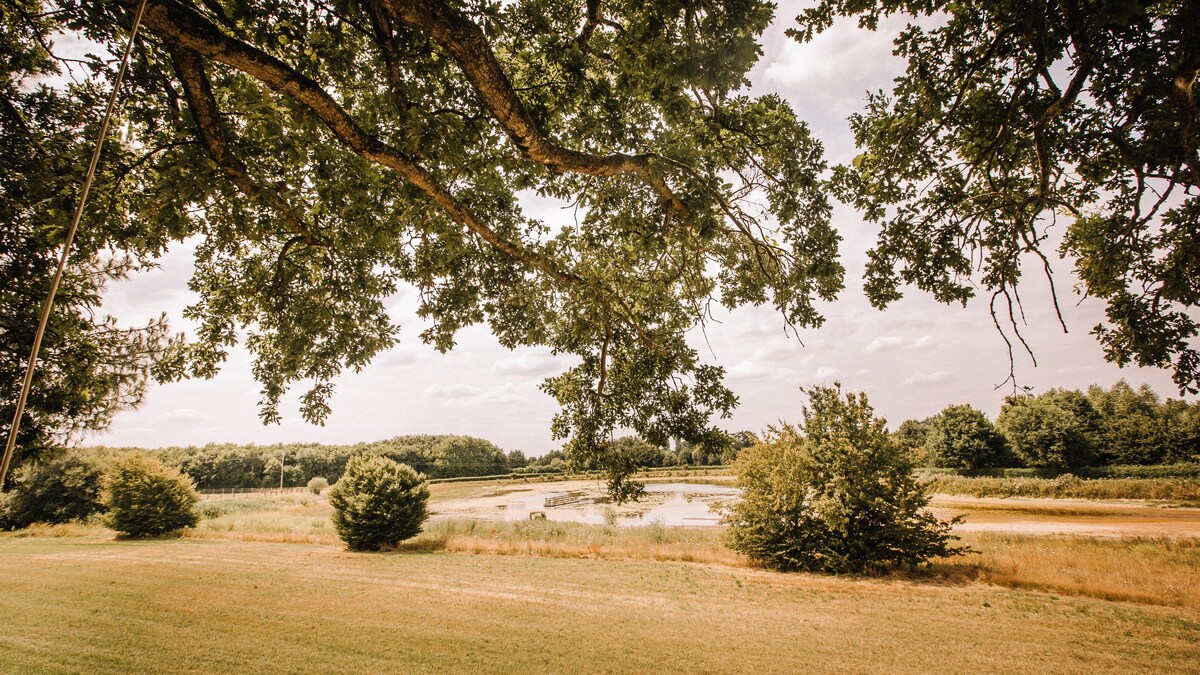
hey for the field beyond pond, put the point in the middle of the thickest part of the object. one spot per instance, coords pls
(264, 585)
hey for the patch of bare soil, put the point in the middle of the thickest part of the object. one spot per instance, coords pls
(1068, 516)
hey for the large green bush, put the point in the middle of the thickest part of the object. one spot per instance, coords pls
(1044, 434)
(838, 498)
(962, 437)
(378, 503)
(53, 491)
(145, 498)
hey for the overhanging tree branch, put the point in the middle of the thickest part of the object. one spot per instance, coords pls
(182, 25)
(470, 49)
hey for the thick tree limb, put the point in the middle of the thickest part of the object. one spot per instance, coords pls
(182, 25)
(469, 47)
(197, 89)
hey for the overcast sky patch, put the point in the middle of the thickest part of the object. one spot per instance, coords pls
(923, 379)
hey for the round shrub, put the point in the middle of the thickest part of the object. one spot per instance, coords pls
(1043, 434)
(839, 497)
(317, 484)
(961, 437)
(378, 503)
(54, 491)
(145, 498)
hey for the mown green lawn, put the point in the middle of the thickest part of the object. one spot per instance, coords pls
(91, 604)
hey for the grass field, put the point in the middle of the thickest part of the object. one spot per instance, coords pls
(264, 585)
(87, 603)
(1156, 570)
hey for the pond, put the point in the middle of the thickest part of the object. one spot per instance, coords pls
(675, 504)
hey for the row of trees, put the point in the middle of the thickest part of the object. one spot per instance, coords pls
(240, 466)
(639, 453)
(227, 465)
(1060, 429)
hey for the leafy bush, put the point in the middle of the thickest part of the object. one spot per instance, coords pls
(145, 498)
(911, 437)
(1179, 470)
(54, 491)
(317, 484)
(378, 503)
(1044, 434)
(840, 498)
(962, 437)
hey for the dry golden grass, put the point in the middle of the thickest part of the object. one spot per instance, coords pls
(265, 585)
(1161, 571)
(577, 540)
(98, 606)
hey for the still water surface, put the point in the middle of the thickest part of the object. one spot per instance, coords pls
(676, 504)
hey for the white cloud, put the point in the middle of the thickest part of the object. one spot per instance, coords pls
(451, 391)
(759, 329)
(924, 342)
(921, 379)
(783, 350)
(502, 394)
(470, 394)
(827, 372)
(397, 358)
(885, 343)
(183, 416)
(751, 370)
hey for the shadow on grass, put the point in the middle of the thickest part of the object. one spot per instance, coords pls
(419, 544)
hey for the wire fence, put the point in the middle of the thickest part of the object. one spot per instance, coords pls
(651, 472)
(256, 491)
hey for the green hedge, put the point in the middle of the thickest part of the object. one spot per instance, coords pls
(1180, 470)
(1067, 486)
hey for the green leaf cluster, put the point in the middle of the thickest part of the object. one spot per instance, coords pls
(961, 437)
(1014, 117)
(91, 366)
(309, 216)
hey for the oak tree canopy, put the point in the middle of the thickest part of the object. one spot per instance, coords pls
(1017, 115)
(325, 152)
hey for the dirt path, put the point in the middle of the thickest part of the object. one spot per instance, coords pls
(1069, 516)
(697, 504)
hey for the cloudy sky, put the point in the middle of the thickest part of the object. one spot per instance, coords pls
(912, 359)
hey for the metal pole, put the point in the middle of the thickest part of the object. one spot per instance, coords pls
(62, 262)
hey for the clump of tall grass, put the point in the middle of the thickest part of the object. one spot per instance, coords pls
(548, 538)
(216, 508)
(1153, 570)
(1071, 487)
(75, 528)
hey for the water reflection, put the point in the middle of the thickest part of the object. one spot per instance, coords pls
(675, 504)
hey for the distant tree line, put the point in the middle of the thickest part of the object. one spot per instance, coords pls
(642, 454)
(225, 465)
(1059, 430)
